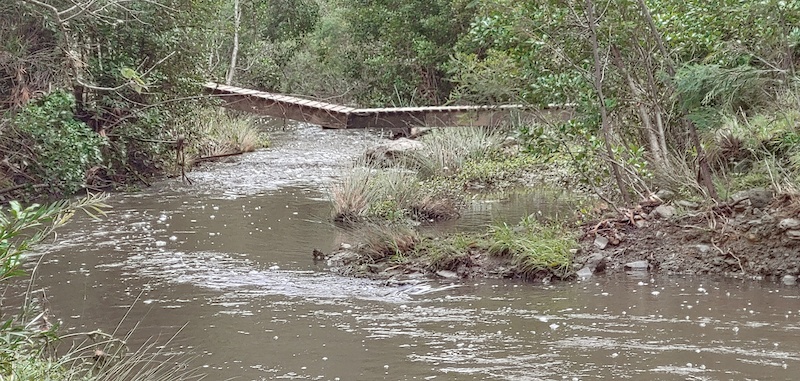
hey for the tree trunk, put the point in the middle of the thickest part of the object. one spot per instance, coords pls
(658, 110)
(598, 87)
(644, 114)
(704, 170)
(237, 18)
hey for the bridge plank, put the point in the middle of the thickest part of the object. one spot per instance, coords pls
(339, 116)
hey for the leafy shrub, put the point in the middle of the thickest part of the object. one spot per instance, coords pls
(540, 140)
(61, 148)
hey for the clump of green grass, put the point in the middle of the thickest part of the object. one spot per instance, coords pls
(450, 252)
(390, 194)
(380, 241)
(223, 133)
(447, 149)
(534, 248)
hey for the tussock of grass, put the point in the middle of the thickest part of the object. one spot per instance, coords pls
(223, 133)
(450, 253)
(446, 149)
(381, 241)
(392, 194)
(424, 184)
(352, 195)
(366, 193)
(533, 248)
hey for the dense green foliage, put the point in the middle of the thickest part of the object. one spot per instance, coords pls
(105, 72)
(271, 35)
(407, 45)
(62, 149)
(637, 73)
(651, 81)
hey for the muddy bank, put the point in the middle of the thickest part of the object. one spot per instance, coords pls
(528, 250)
(754, 236)
(471, 264)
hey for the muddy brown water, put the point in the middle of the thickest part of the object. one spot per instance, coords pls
(230, 258)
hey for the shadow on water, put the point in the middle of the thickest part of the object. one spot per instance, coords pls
(231, 255)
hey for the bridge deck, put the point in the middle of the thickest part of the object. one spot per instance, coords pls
(337, 116)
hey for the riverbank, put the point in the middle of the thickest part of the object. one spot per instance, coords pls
(753, 234)
(736, 239)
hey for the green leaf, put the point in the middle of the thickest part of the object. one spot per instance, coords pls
(128, 73)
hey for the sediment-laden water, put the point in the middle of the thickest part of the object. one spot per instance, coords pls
(230, 258)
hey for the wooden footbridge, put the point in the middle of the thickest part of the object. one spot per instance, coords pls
(337, 116)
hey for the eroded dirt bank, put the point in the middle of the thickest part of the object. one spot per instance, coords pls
(756, 235)
(753, 235)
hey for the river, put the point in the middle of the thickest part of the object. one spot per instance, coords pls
(228, 258)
